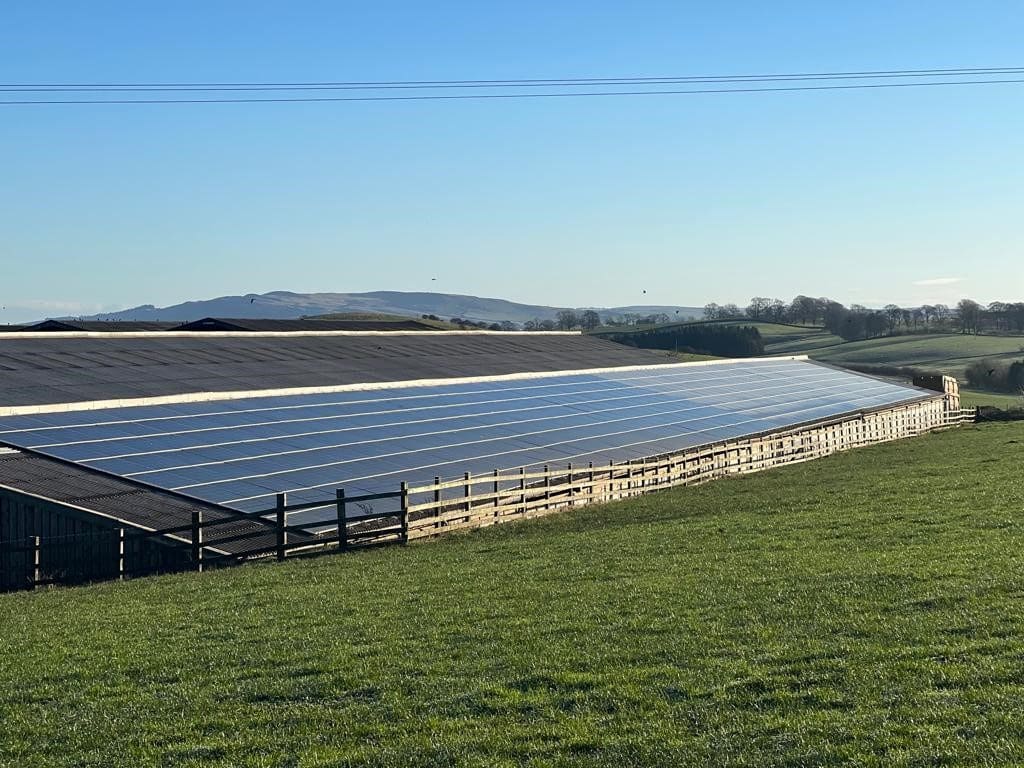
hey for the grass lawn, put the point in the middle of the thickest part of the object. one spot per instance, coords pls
(865, 609)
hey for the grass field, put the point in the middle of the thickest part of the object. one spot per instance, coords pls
(865, 609)
(949, 353)
(972, 397)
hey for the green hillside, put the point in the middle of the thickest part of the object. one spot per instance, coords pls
(949, 353)
(859, 610)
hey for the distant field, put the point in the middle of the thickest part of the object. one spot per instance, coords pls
(864, 609)
(974, 397)
(794, 339)
(949, 353)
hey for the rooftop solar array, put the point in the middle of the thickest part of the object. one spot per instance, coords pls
(239, 453)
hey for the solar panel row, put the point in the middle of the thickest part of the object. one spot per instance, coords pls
(239, 453)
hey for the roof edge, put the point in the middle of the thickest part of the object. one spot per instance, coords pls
(243, 334)
(209, 397)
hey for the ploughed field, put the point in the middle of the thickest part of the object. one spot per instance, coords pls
(864, 609)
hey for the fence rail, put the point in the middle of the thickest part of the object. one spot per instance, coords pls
(433, 509)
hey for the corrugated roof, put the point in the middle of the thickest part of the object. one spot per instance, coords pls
(98, 326)
(125, 502)
(43, 370)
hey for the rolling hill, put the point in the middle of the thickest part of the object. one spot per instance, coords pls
(285, 304)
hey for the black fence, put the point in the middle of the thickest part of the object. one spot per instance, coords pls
(206, 541)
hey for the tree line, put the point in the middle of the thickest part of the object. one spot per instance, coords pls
(700, 338)
(851, 323)
(858, 322)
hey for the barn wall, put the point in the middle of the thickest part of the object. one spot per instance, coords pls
(75, 546)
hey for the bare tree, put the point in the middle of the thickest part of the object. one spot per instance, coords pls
(589, 320)
(969, 312)
(567, 319)
(758, 308)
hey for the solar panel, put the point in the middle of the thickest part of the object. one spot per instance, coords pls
(239, 453)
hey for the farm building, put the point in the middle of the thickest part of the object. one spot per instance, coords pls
(128, 453)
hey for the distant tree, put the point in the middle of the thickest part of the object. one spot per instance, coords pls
(725, 340)
(805, 310)
(508, 325)
(968, 312)
(712, 311)
(567, 319)
(876, 324)
(893, 314)
(531, 325)
(775, 310)
(659, 318)
(546, 325)
(589, 320)
(758, 307)
(731, 312)
(835, 317)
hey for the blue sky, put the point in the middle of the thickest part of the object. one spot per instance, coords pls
(904, 195)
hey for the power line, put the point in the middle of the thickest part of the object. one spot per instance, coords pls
(529, 82)
(529, 95)
(395, 86)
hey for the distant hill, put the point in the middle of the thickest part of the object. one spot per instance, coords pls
(285, 304)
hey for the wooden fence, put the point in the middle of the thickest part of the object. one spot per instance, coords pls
(444, 506)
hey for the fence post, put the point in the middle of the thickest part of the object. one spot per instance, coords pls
(342, 521)
(497, 505)
(405, 512)
(570, 478)
(547, 488)
(592, 498)
(437, 500)
(37, 546)
(197, 540)
(282, 521)
(120, 554)
(468, 489)
(522, 489)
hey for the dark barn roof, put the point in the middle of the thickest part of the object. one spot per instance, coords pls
(43, 370)
(98, 326)
(302, 324)
(126, 503)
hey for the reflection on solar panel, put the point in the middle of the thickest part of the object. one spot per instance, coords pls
(240, 452)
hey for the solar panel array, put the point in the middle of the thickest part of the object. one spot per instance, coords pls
(239, 453)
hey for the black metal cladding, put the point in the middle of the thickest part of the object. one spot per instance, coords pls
(41, 371)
